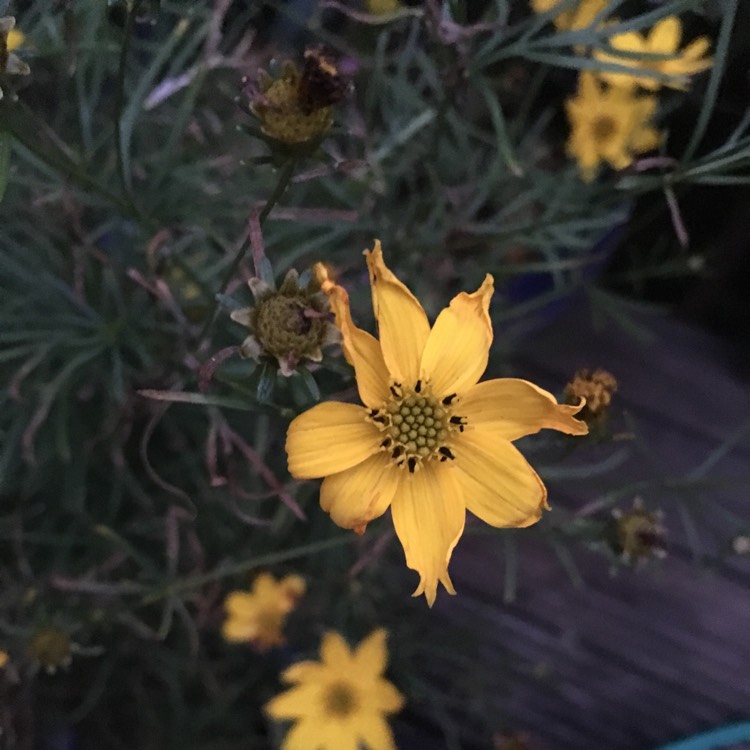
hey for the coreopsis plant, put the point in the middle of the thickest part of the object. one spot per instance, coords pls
(340, 702)
(661, 53)
(430, 441)
(258, 616)
(608, 125)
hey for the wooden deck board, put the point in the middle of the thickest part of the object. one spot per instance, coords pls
(645, 657)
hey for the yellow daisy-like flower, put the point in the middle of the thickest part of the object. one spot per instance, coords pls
(258, 616)
(429, 441)
(664, 39)
(608, 125)
(577, 16)
(339, 702)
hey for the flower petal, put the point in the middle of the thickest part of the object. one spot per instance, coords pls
(371, 655)
(297, 702)
(335, 651)
(375, 733)
(498, 484)
(358, 495)
(305, 671)
(515, 408)
(457, 349)
(361, 350)
(665, 36)
(329, 438)
(428, 515)
(402, 323)
(384, 697)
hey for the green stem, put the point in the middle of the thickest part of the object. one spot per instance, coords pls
(285, 176)
(120, 97)
(226, 571)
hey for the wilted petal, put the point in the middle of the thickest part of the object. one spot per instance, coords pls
(515, 408)
(428, 515)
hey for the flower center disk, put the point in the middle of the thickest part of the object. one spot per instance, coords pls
(416, 425)
(340, 700)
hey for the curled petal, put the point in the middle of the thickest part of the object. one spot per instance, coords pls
(358, 495)
(428, 514)
(329, 438)
(457, 349)
(515, 408)
(497, 482)
(402, 322)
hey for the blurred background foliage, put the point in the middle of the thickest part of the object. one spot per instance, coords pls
(134, 168)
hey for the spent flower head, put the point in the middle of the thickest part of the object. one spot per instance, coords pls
(290, 324)
(295, 108)
(608, 124)
(663, 40)
(639, 533)
(340, 701)
(258, 616)
(51, 648)
(10, 39)
(430, 441)
(597, 388)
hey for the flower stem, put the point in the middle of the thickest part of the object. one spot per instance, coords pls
(285, 177)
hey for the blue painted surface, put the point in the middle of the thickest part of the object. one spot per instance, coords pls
(716, 739)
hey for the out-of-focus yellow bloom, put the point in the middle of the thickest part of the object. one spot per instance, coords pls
(51, 648)
(663, 39)
(577, 16)
(382, 7)
(608, 125)
(430, 441)
(4, 658)
(258, 616)
(341, 701)
(11, 39)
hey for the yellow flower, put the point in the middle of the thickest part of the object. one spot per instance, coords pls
(10, 39)
(258, 616)
(430, 442)
(4, 658)
(578, 15)
(339, 702)
(608, 125)
(664, 40)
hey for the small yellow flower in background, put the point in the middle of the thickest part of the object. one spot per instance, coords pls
(382, 7)
(51, 648)
(11, 39)
(664, 39)
(339, 702)
(430, 441)
(576, 16)
(4, 658)
(258, 616)
(608, 125)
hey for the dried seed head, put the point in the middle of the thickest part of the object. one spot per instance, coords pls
(639, 533)
(290, 324)
(597, 387)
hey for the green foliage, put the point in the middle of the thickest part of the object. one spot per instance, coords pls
(132, 500)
